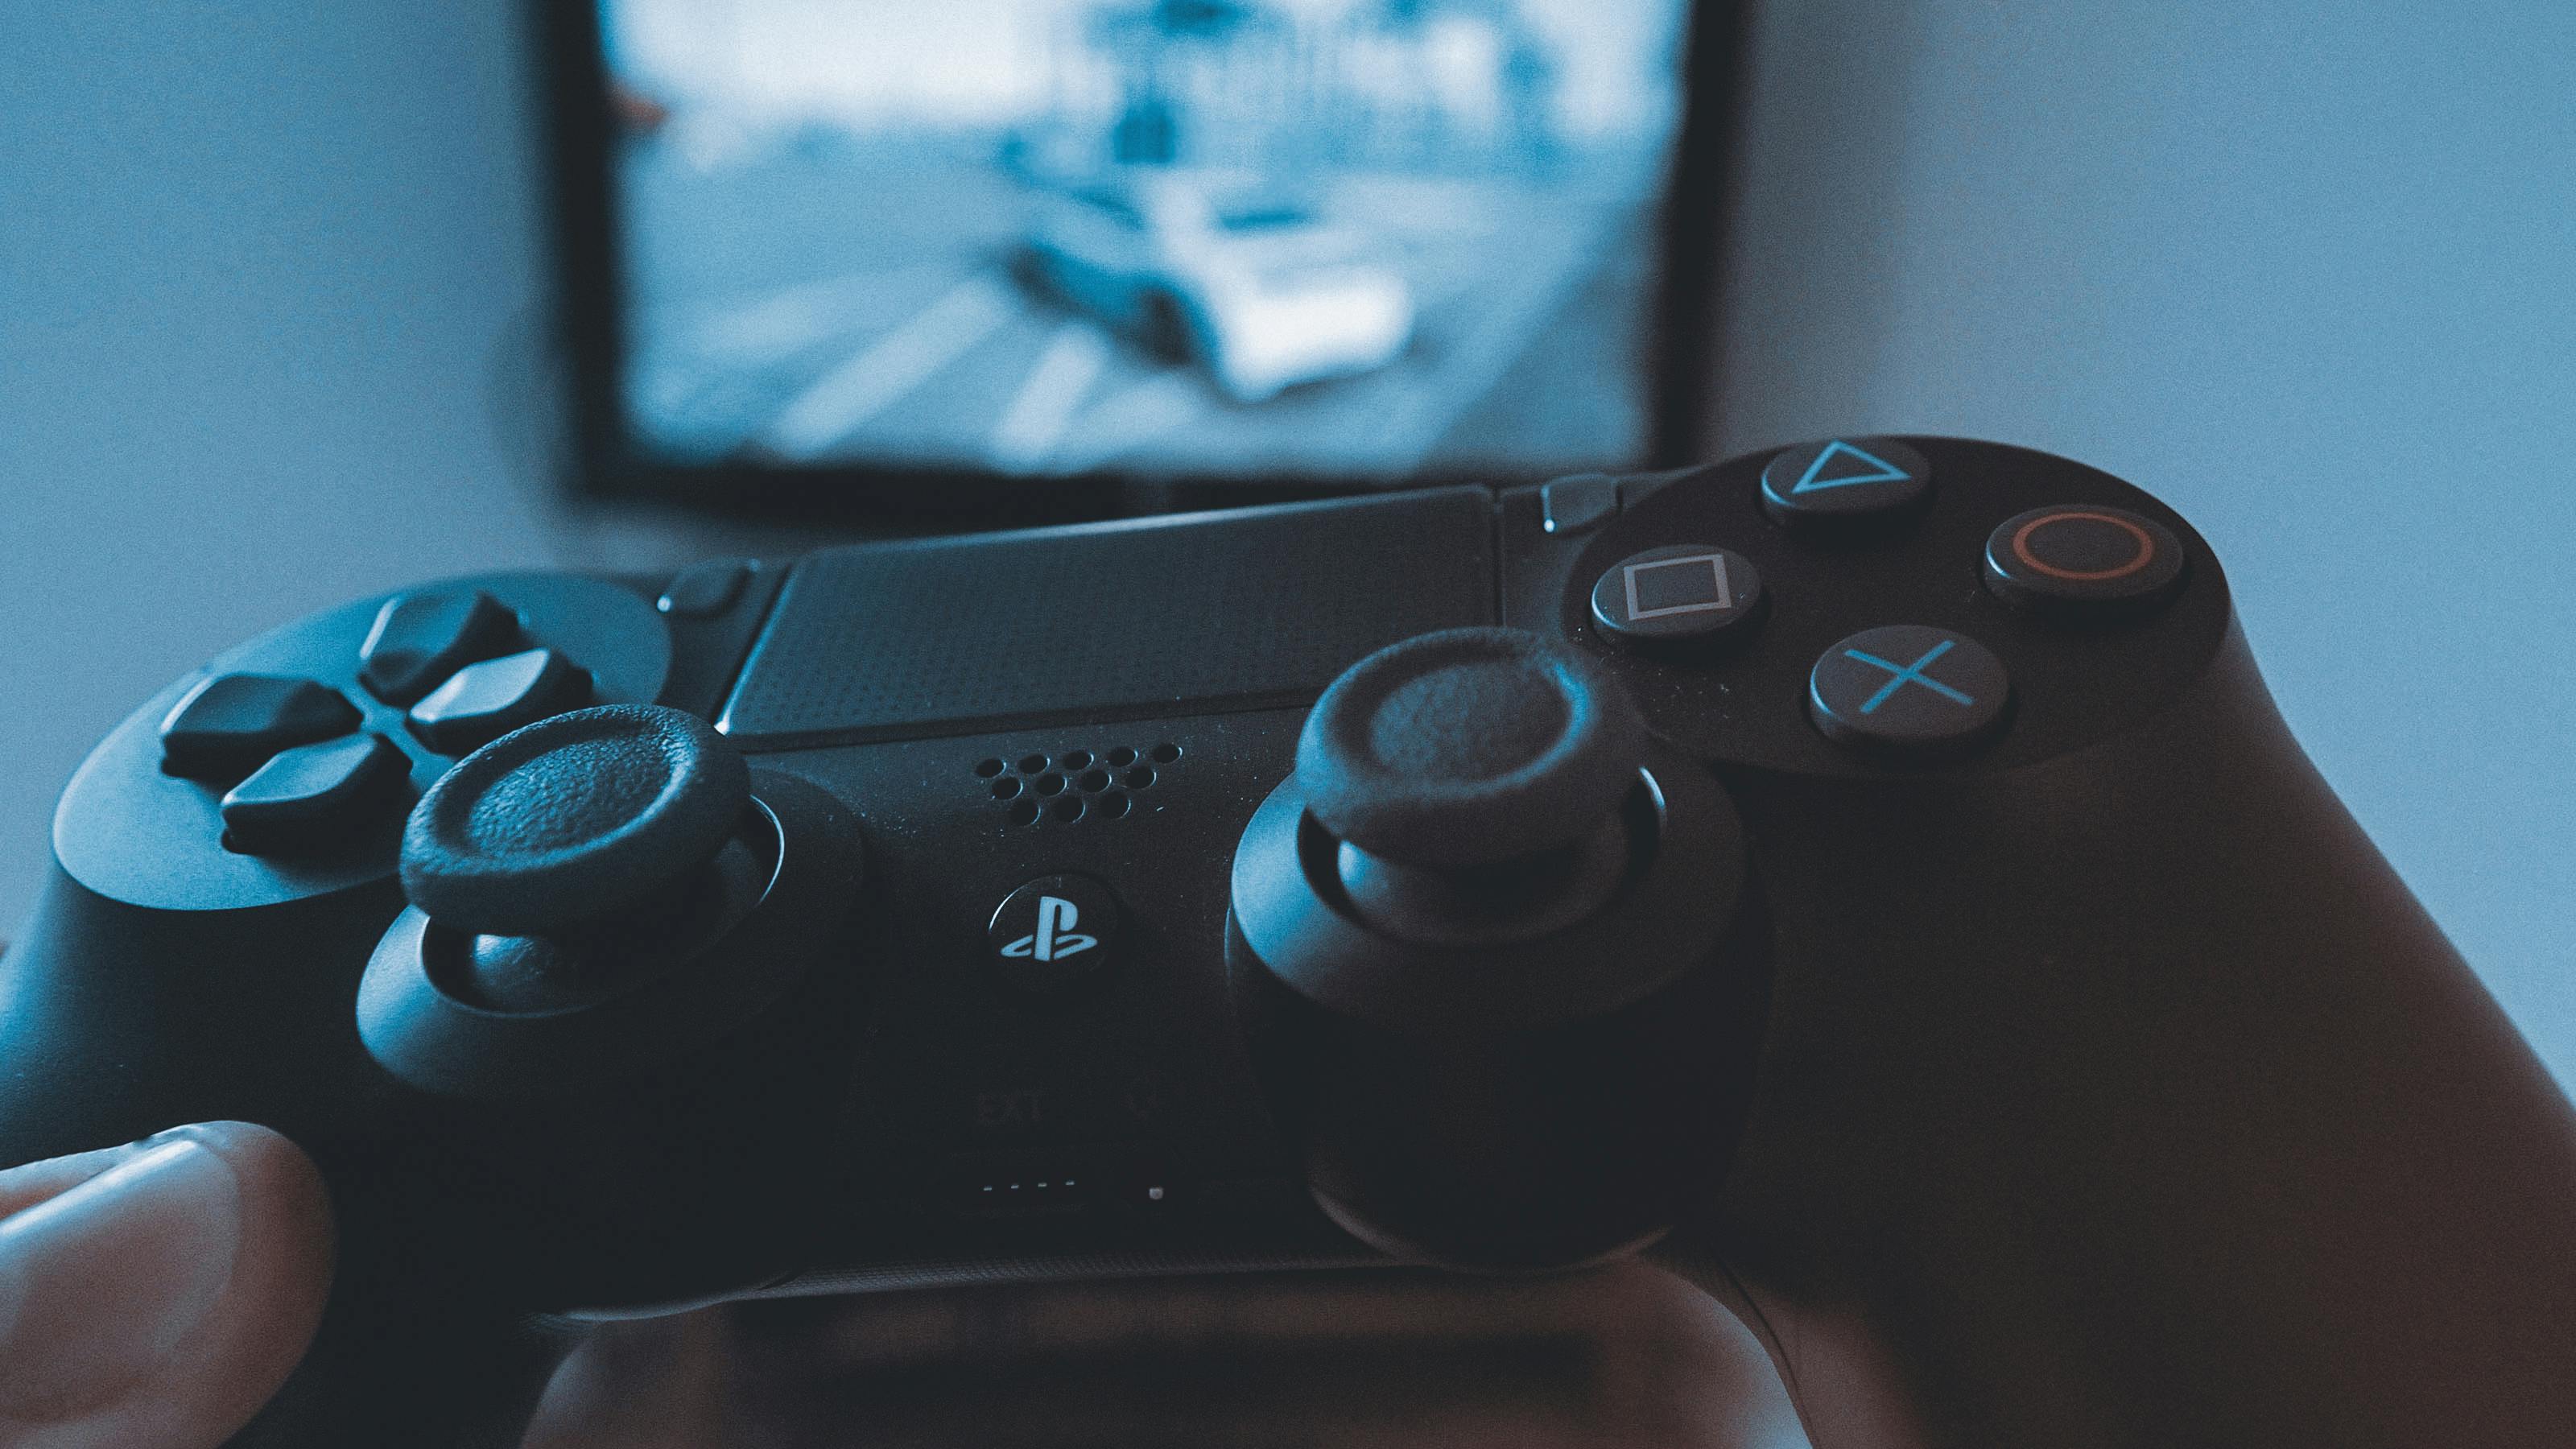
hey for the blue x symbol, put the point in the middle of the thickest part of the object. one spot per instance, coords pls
(1906, 674)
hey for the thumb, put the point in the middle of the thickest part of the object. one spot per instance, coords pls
(153, 1296)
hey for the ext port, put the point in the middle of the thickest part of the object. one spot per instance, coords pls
(1021, 1184)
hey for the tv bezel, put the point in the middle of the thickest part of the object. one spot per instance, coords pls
(588, 331)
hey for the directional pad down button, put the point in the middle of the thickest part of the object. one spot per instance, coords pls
(485, 701)
(311, 795)
(228, 725)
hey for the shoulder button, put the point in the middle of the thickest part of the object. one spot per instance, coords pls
(703, 590)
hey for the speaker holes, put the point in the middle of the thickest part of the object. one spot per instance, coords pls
(1074, 784)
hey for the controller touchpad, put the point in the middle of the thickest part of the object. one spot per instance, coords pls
(882, 641)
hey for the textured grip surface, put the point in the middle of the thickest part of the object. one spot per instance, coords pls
(1469, 746)
(571, 818)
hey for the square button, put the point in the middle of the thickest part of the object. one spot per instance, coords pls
(1678, 594)
(1692, 584)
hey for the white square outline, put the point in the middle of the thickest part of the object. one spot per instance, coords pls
(1717, 568)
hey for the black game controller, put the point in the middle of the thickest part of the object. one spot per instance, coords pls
(1484, 878)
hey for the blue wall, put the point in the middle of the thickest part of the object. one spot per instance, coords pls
(259, 264)
(2306, 270)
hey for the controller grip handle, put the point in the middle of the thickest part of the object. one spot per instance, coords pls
(126, 1020)
(2132, 1099)
(396, 1365)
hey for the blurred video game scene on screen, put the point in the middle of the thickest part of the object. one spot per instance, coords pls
(1365, 239)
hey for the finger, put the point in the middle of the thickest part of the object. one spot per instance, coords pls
(1629, 1354)
(154, 1296)
(651, 1384)
(24, 1187)
(1730, 1393)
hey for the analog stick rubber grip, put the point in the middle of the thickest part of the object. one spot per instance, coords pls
(572, 819)
(1468, 747)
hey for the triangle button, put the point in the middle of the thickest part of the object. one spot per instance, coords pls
(1842, 465)
(1845, 479)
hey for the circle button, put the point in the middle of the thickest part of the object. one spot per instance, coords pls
(1908, 689)
(1845, 482)
(1053, 933)
(2084, 560)
(1680, 595)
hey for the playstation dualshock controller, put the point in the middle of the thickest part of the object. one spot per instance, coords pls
(1816, 851)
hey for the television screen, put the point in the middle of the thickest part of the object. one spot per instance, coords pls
(1360, 240)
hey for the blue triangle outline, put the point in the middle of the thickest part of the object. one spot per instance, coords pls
(1888, 472)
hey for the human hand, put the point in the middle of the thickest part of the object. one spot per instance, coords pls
(154, 1295)
(1624, 1355)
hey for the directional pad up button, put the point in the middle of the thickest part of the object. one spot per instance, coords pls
(420, 639)
(312, 795)
(228, 725)
(485, 701)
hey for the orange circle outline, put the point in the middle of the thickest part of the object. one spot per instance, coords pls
(2146, 548)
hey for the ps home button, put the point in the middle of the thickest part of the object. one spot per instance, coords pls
(1053, 933)
(1680, 596)
(1845, 483)
(2083, 561)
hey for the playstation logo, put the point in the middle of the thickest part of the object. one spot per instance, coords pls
(1052, 932)
(1055, 937)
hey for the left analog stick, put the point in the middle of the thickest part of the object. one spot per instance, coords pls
(572, 820)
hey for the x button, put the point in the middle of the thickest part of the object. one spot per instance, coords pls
(1900, 676)
(1909, 688)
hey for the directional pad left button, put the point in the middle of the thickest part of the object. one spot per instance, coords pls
(312, 795)
(230, 724)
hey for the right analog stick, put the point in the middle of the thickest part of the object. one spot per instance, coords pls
(1492, 956)
(1468, 746)
(1475, 782)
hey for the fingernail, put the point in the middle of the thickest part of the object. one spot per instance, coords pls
(100, 1286)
